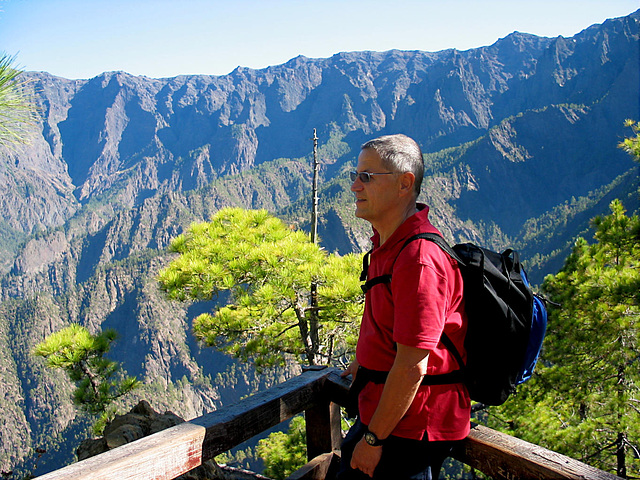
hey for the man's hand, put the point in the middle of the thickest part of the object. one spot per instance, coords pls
(351, 370)
(365, 457)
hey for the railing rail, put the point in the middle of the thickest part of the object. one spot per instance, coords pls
(317, 392)
(174, 451)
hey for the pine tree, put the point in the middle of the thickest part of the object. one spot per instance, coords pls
(284, 453)
(268, 269)
(16, 106)
(584, 400)
(631, 145)
(82, 356)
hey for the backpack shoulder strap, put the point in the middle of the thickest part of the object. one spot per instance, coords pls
(453, 377)
(365, 266)
(432, 237)
(438, 240)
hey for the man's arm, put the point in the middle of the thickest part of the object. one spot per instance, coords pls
(402, 383)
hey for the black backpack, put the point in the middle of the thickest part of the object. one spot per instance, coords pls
(507, 321)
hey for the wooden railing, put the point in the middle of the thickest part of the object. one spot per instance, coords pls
(319, 393)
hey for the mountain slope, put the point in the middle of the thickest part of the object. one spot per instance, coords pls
(520, 141)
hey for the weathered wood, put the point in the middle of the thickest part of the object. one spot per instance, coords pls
(174, 451)
(336, 387)
(167, 454)
(502, 456)
(232, 425)
(324, 433)
(323, 429)
(320, 468)
(161, 456)
(499, 455)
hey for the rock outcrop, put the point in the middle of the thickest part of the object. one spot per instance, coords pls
(140, 422)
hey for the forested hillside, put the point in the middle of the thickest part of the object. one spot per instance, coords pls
(520, 140)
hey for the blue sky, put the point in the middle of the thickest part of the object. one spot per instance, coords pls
(165, 38)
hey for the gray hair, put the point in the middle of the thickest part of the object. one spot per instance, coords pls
(399, 153)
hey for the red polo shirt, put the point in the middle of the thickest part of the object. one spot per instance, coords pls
(423, 299)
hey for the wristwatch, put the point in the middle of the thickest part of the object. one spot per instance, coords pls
(372, 439)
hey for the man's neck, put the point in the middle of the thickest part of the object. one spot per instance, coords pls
(385, 231)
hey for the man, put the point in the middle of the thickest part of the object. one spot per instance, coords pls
(405, 429)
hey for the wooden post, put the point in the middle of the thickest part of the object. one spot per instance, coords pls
(323, 429)
(324, 434)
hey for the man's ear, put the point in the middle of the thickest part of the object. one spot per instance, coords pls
(407, 181)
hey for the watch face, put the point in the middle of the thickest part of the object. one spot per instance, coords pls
(371, 439)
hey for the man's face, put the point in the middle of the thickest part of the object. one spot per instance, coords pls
(376, 199)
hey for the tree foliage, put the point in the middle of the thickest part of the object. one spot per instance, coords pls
(631, 145)
(81, 355)
(16, 107)
(585, 402)
(268, 269)
(284, 453)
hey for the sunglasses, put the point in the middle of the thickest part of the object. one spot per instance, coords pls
(365, 177)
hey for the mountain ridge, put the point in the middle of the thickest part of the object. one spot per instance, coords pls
(520, 140)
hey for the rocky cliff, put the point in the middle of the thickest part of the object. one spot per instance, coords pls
(521, 149)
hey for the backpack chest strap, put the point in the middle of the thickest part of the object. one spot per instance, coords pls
(369, 284)
(365, 376)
